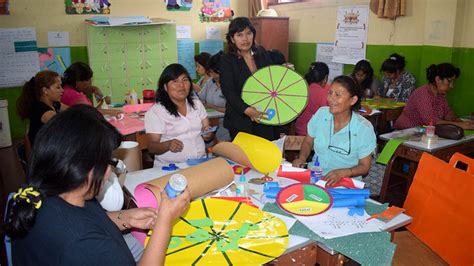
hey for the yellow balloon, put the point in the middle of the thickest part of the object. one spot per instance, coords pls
(264, 155)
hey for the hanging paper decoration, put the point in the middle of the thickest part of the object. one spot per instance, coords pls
(223, 232)
(87, 7)
(216, 11)
(179, 5)
(279, 92)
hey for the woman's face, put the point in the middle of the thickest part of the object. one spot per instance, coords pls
(84, 86)
(215, 76)
(339, 99)
(443, 85)
(360, 76)
(200, 69)
(243, 40)
(55, 91)
(391, 75)
(178, 89)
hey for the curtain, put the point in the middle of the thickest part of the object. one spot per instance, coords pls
(388, 8)
(255, 6)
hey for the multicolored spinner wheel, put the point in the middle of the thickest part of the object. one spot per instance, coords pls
(304, 199)
(278, 91)
(223, 232)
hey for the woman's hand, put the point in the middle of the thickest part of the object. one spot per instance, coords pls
(336, 175)
(175, 145)
(299, 163)
(171, 209)
(254, 115)
(141, 218)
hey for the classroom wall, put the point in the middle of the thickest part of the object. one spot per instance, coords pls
(433, 31)
(49, 15)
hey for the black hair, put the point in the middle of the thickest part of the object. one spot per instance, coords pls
(172, 72)
(352, 87)
(68, 147)
(203, 59)
(317, 72)
(364, 66)
(32, 91)
(77, 71)
(237, 25)
(393, 64)
(276, 57)
(215, 62)
(443, 71)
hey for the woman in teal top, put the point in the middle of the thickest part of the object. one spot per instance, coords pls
(343, 140)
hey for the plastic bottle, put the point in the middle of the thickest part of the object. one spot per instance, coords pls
(176, 185)
(133, 97)
(242, 186)
(316, 171)
(430, 130)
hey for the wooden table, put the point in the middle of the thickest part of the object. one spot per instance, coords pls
(412, 150)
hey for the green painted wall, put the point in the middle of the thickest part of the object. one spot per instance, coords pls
(418, 58)
(302, 54)
(17, 126)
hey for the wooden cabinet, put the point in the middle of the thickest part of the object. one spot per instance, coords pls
(272, 33)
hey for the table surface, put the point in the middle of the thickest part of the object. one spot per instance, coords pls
(133, 179)
(133, 122)
(415, 140)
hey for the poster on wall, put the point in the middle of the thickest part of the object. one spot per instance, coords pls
(186, 56)
(351, 34)
(324, 53)
(4, 7)
(85, 7)
(18, 56)
(54, 59)
(178, 5)
(216, 11)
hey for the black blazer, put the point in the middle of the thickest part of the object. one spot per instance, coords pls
(234, 73)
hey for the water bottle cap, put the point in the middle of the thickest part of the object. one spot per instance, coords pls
(178, 182)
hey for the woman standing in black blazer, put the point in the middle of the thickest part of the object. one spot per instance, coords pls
(241, 61)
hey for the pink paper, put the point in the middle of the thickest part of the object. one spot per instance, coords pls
(143, 198)
(128, 125)
(136, 108)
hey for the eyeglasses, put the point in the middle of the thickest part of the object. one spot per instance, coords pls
(336, 148)
(450, 80)
(119, 166)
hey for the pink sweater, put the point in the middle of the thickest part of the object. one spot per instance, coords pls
(317, 97)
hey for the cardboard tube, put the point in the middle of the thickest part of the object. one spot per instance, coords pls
(131, 155)
(233, 152)
(202, 179)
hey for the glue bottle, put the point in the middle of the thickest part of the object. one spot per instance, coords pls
(242, 186)
(316, 171)
(176, 185)
(133, 97)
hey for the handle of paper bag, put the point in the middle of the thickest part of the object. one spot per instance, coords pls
(460, 158)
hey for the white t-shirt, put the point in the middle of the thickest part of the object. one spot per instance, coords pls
(184, 128)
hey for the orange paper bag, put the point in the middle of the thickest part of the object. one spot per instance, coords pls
(441, 202)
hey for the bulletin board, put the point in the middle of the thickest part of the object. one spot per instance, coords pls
(126, 58)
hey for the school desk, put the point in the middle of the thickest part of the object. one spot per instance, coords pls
(412, 150)
(307, 250)
(389, 109)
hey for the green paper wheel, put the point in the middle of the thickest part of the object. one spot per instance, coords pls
(279, 92)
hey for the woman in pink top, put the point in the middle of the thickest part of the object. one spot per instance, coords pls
(174, 125)
(317, 78)
(428, 104)
(77, 85)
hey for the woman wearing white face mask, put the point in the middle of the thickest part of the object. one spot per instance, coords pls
(242, 60)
